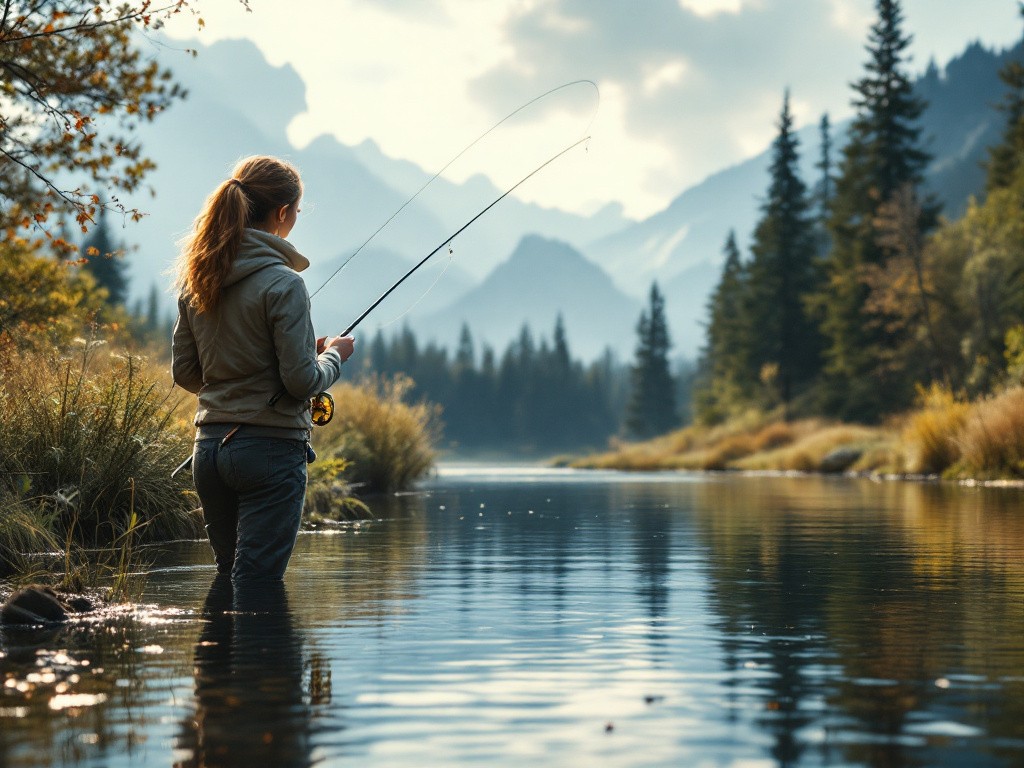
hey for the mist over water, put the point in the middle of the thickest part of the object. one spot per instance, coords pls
(514, 616)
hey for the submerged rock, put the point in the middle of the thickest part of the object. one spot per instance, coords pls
(36, 605)
(841, 459)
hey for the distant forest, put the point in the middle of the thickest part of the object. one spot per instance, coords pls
(534, 398)
(856, 297)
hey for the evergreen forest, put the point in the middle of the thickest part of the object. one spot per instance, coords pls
(857, 295)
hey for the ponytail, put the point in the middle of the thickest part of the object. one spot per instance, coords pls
(258, 186)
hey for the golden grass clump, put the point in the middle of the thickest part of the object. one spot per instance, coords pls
(931, 436)
(815, 441)
(387, 442)
(722, 453)
(991, 440)
(774, 435)
(87, 445)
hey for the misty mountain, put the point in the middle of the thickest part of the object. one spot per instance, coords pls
(495, 234)
(238, 104)
(681, 246)
(540, 280)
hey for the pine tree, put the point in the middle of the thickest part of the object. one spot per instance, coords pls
(652, 404)
(1006, 159)
(105, 262)
(562, 359)
(784, 339)
(465, 354)
(153, 310)
(724, 369)
(826, 183)
(882, 156)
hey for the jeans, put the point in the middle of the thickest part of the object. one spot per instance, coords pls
(252, 490)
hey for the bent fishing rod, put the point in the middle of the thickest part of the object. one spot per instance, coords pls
(273, 400)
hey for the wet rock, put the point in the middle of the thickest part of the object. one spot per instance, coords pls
(35, 605)
(79, 604)
(841, 459)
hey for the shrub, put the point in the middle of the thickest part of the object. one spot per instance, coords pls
(387, 442)
(991, 441)
(931, 433)
(90, 441)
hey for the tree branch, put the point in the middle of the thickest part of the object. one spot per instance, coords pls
(61, 193)
(81, 27)
(7, 11)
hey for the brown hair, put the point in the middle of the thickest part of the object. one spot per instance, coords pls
(258, 186)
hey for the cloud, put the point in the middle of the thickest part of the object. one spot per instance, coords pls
(713, 71)
(715, 78)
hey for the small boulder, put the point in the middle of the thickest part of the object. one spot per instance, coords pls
(32, 606)
(841, 459)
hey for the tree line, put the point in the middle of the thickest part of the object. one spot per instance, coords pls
(855, 294)
(533, 397)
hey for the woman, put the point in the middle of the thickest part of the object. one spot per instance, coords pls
(244, 333)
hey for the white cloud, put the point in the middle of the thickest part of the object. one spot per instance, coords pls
(688, 86)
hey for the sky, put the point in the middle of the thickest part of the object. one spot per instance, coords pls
(687, 87)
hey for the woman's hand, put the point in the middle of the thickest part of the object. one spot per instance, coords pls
(344, 345)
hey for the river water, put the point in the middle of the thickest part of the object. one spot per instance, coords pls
(517, 616)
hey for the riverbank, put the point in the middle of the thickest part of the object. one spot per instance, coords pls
(979, 441)
(89, 439)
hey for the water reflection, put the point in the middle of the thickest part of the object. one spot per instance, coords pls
(886, 633)
(726, 621)
(251, 707)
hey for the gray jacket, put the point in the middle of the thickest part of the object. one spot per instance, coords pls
(257, 342)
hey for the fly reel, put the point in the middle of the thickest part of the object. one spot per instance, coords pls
(321, 408)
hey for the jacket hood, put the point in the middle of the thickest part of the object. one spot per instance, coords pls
(261, 249)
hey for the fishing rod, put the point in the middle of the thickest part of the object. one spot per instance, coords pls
(330, 408)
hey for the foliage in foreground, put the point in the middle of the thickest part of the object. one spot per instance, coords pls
(387, 442)
(87, 445)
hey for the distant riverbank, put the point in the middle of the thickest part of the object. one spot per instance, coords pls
(945, 437)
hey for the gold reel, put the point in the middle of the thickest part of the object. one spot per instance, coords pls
(321, 408)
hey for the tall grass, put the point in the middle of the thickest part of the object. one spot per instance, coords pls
(387, 441)
(991, 439)
(931, 435)
(750, 442)
(87, 445)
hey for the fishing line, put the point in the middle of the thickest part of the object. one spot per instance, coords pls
(447, 165)
(451, 260)
(281, 393)
(460, 230)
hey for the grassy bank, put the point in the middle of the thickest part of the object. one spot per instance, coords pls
(944, 436)
(386, 442)
(88, 441)
(87, 444)
(755, 442)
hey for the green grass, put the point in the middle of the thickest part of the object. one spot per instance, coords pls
(87, 445)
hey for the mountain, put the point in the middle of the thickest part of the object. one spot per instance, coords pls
(238, 104)
(541, 279)
(681, 246)
(496, 233)
(351, 191)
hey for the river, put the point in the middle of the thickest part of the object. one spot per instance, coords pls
(523, 616)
